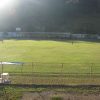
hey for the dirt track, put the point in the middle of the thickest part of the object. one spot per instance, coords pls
(47, 95)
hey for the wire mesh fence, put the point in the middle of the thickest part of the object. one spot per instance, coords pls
(52, 73)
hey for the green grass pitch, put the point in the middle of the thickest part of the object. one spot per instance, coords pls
(79, 56)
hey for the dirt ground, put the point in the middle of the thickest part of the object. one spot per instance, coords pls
(47, 95)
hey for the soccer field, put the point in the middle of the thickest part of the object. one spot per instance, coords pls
(49, 51)
(51, 56)
(73, 63)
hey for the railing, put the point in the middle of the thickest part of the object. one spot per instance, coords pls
(53, 73)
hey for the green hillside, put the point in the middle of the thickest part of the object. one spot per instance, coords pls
(52, 15)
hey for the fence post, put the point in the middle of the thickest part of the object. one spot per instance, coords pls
(2, 67)
(62, 65)
(32, 67)
(2, 70)
(22, 68)
(91, 69)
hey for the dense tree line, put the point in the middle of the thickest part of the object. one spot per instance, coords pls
(52, 16)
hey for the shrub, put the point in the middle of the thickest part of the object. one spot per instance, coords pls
(56, 98)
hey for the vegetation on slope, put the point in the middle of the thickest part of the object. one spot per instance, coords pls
(52, 15)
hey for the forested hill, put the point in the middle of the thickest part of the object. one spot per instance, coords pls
(52, 16)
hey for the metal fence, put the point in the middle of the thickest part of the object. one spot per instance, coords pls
(48, 35)
(53, 73)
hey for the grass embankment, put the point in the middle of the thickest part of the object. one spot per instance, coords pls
(16, 92)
